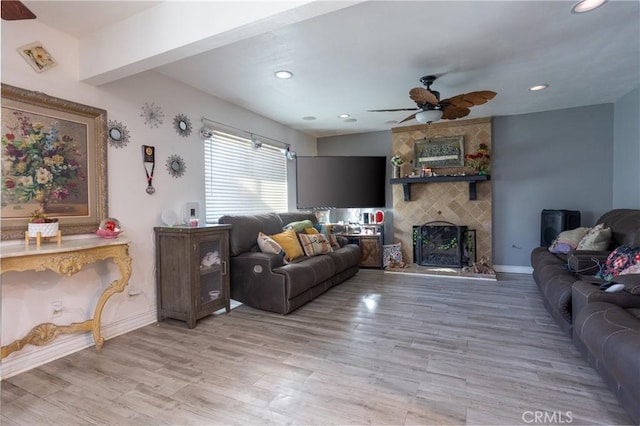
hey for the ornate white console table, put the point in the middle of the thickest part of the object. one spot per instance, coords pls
(67, 258)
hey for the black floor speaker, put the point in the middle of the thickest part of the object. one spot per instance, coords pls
(554, 222)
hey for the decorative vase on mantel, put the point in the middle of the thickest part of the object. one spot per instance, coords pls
(396, 172)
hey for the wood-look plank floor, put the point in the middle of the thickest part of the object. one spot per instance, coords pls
(377, 349)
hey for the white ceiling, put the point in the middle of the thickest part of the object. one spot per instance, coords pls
(370, 54)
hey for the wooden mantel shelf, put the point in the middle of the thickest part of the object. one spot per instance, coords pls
(472, 179)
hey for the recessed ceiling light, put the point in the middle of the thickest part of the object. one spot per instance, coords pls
(344, 116)
(309, 118)
(391, 122)
(538, 87)
(587, 5)
(283, 74)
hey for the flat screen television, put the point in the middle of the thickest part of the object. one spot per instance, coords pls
(340, 182)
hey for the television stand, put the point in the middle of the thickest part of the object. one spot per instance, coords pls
(370, 240)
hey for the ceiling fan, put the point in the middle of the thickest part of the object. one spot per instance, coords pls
(430, 108)
(14, 10)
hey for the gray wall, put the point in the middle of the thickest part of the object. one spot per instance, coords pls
(626, 151)
(561, 159)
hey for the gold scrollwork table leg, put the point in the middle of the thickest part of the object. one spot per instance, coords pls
(123, 261)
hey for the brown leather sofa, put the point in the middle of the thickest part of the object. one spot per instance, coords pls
(264, 281)
(555, 273)
(605, 327)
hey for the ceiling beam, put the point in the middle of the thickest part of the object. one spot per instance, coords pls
(175, 30)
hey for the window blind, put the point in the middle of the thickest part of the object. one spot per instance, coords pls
(240, 179)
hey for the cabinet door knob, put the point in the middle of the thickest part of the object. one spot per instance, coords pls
(224, 267)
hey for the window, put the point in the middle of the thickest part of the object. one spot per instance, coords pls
(242, 179)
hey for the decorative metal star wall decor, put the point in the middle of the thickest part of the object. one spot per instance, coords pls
(152, 114)
(176, 166)
(182, 124)
(118, 134)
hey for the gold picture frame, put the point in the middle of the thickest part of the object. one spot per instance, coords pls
(54, 157)
(439, 152)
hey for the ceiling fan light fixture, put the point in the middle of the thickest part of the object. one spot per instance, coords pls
(587, 6)
(429, 116)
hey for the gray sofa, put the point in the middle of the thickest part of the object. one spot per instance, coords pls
(605, 327)
(264, 281)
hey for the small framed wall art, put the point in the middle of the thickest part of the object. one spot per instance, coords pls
(37, 56)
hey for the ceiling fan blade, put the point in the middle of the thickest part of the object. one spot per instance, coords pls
(391, 110)
(451, 112)
(467, 100)
(411, 117)
(13, 10)
(422, 96)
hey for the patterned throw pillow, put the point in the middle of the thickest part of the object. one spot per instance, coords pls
(314, 244)
(327, 230)
(288, 240)
(621, 259)
(391, 252)
(267, 245)
(568, 240)
(598, 238)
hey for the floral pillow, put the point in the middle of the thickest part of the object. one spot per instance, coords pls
(621, 260)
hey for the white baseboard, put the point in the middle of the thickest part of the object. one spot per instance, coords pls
(513, 269)
(34, 356)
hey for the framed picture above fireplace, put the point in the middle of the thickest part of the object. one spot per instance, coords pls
(439, 152)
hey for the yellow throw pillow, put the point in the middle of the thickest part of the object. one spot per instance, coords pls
(311, 231)
(288, 240)
(314, 244)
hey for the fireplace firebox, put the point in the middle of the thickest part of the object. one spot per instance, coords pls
(443, 244)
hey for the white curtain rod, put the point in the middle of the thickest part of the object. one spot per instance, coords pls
(251, 135)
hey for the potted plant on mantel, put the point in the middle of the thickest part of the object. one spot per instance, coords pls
(40, 222)
(480, 162)
(396, 162)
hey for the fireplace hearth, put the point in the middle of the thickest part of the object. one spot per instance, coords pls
(443, 244)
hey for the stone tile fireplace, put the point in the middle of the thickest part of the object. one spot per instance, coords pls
(442, 201)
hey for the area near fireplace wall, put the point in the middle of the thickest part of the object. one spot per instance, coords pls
(446, 201)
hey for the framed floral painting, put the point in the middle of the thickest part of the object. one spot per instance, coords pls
(54, 160)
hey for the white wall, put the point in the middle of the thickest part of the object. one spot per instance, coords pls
(26, 296)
